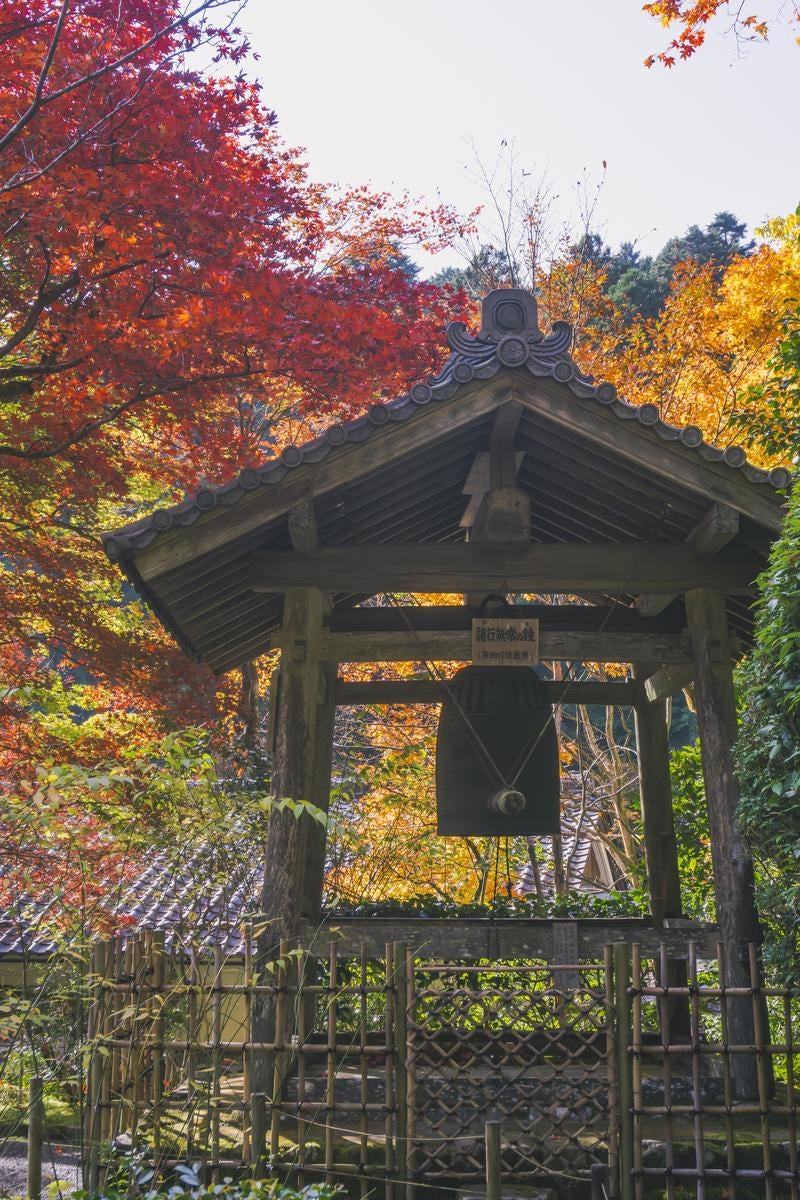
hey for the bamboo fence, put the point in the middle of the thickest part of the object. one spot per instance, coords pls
(385, 1072)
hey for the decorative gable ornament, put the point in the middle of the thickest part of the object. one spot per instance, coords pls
(509, 337)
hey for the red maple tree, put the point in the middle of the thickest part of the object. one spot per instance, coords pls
(172, 284)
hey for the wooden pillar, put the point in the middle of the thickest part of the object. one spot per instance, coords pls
(295, 849)
(315, 837)
(655, 790)
(660, 845)
(733, 867)
(294, 858)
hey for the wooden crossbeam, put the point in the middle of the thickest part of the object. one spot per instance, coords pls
(433, 646)
(433, 691)
(510, 938)
(461, 567)
(585, 618)
(715, 530)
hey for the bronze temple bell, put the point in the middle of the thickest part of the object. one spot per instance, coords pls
(497, 755)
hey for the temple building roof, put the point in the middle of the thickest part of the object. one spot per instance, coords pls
(597, 470)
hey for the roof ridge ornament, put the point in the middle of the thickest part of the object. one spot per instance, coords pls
(509, 335)
(507, 311)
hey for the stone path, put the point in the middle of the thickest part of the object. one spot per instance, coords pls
(59, 1162)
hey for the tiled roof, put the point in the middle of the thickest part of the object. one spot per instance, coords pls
(188, 897)
(510, 340)
(580, 823)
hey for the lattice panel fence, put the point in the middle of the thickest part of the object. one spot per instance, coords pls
(526, 1044)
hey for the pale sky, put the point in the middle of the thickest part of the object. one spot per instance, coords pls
(394, 95)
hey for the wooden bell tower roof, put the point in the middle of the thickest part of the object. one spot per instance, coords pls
(622, 504)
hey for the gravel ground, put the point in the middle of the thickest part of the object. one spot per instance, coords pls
(60, 1163)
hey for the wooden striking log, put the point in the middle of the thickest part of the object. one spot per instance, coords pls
(433, 691)
(459, 567)
(422, 646)
(660, 845)
(734, 886)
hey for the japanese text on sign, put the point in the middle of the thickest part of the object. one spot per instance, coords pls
(505, 642)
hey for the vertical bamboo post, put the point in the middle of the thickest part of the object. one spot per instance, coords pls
(727, 1074)
(330, 1077)
(258, 1133)
(302, 1012)
(362, 1060)
(35, 1137)
(636, 1068)
(401, 1063)
(192, 1034)
(116, 1005)
(791, 1100)
(157, 1041)
(624, 1075)
(137, 1040)
(126, 1055)
(389, 1071)
(93, 1088)
(105, 1033)
(494, 1168)
(763, 1067)
(611, 1073)
(666, 1032)
(697, 1081)
(247, 1054)
(149, 1036)
(279, 1071)
(411, 1072)
(216, 1060)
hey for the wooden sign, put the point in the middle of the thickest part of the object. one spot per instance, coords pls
(505, 642)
